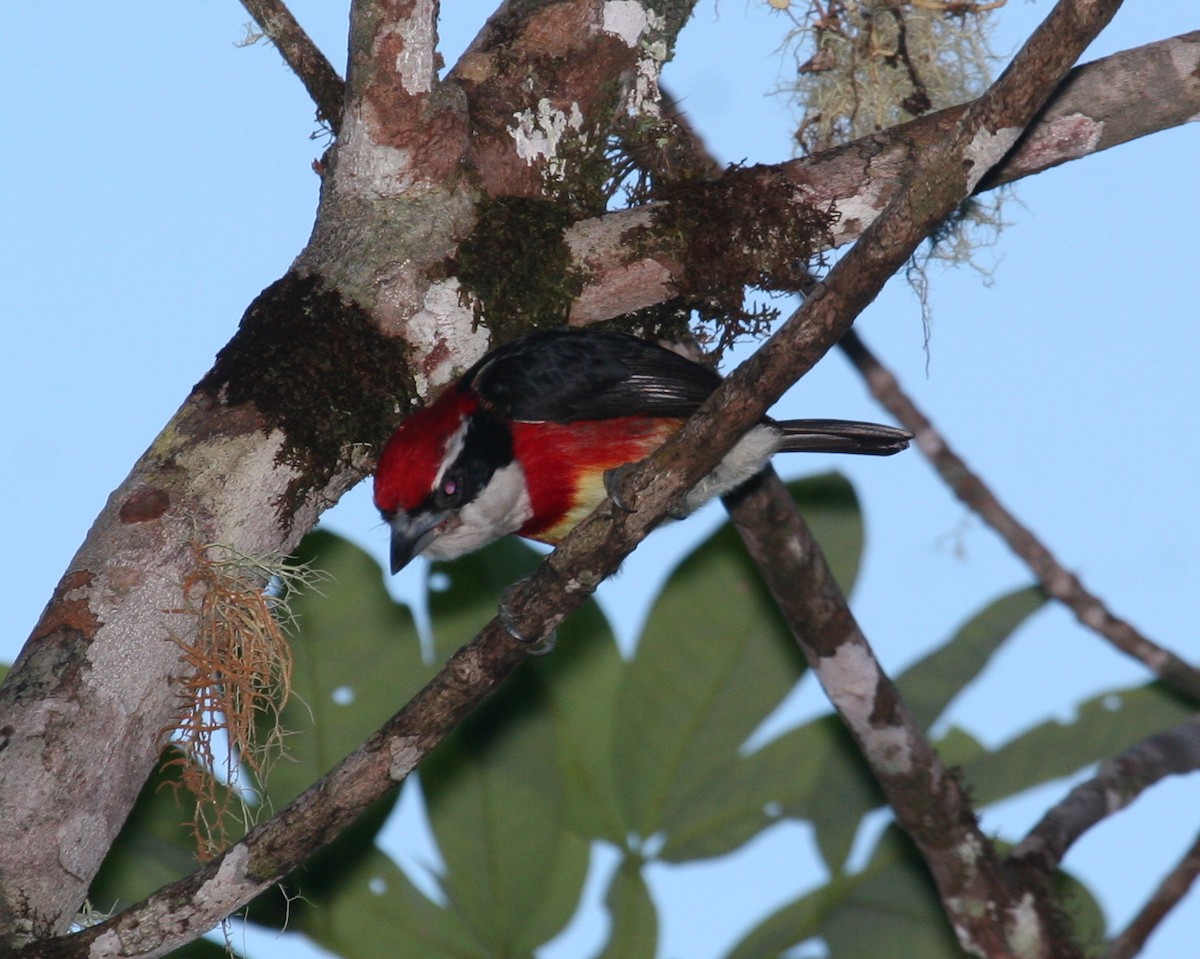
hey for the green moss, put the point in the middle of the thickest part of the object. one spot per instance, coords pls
(518, 266)
(316, 367)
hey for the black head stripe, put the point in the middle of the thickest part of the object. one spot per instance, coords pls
(487, 447)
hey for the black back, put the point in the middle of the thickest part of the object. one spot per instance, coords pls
(566, 375)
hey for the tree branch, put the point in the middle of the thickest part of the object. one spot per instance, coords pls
(929, 803)
(629, 265)
(1055, 579)
(182, 911)
(1167, 896)
(1117, 783)
(299, 52)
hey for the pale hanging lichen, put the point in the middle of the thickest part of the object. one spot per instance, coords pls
(866, 65)
(863, 66)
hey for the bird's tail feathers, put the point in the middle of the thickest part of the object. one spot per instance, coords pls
(841, 436)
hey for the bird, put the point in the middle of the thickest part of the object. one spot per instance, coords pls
(522, 441)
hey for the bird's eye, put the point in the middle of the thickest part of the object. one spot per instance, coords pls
(449, 488)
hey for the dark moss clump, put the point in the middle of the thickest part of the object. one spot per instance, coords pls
(318, 368)
(518, 266)
(751, 227)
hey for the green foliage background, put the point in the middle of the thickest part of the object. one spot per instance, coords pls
(647, 755)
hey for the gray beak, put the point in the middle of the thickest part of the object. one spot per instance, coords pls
(410, 535)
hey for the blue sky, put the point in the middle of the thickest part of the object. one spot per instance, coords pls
(158, 176)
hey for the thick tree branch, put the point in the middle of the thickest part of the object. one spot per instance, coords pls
(929, 803)
(1167, 896)
(1055, 579)
(563, 99)
(1100, 105)
(182, 911)
(792, 565)
(317, 74)
(276, 432)
(1117, 783)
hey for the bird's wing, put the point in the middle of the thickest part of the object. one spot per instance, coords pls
(568, 375)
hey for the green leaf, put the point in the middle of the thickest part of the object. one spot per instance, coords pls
(515, 870)
(792, 924)
(891, 901)
(1103, 726)
(476, 584)
(375, 912)
(324, 875)
(357, 660)
(578, 679)
(633, 916)
(929, 685)
(1088, 926)
(842, 792)
(499, 800)
(714, 661)
(751, 793)
(889, 908)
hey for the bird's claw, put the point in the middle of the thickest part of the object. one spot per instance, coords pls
(535, 645)
(612, 486)
(679, 512)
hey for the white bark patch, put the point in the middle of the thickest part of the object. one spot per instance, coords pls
(851, 677)
(1064, 138)
(406, 753)
(1024, 929)
(855, 214)
(970, 851)
(985, 151)
(445, 334)
(626, 19)
(366, 168)
(238, 489)
(223, 891)
(538, 133)
(644, 98)
(1185, 58)
(414, 63)
(632, 22)
(216, 899)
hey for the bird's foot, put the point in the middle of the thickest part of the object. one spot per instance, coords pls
(535, 645)
(612, 486)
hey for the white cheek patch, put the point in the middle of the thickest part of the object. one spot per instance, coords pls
(502, 507)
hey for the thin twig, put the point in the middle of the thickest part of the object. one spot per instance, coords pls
(1170, 891)
(1058, 581)
(1117, 783)
(317, 74)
